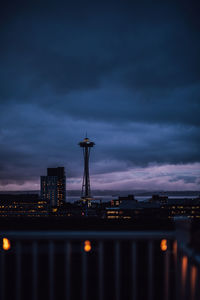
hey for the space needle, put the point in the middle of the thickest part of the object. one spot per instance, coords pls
(86, 144)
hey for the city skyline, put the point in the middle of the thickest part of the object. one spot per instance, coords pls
(126, 73)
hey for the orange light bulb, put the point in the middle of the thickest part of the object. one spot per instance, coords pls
(87, 246)
(6, 244)
(163, 245)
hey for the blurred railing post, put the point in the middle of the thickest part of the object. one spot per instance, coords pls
(182, 234)
(2, 274)
(182, 231)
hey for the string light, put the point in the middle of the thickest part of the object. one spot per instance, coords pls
(87, 246)
(163, 245)
(6, 244)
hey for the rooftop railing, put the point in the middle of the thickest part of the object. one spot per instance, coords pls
(97, 265)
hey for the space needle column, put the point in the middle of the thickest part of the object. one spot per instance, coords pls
(86, 144)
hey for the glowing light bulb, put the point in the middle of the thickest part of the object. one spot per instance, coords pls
(163, 245)
(6, 244)
(87, 246)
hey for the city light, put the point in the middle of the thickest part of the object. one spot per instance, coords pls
(87, 246)
(184, 268)
(6, 244)
(193, 281)
(163, 245)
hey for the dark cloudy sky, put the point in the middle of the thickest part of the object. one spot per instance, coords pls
(127, 72)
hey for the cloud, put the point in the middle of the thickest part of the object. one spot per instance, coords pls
(186, 179)
(33, 139)
(126, 73)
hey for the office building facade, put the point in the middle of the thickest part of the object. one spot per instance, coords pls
(53, 186)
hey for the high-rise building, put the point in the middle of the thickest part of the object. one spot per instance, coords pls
(53, 186)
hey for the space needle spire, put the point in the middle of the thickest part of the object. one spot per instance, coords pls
(86, 144)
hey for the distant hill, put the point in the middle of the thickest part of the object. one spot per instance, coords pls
(115, 193)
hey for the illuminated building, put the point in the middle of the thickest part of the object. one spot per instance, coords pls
(117, 202)
(16, 205)
(113, 213)
(134, 210)
(185, 207)
(53, 186)
(159, 198)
